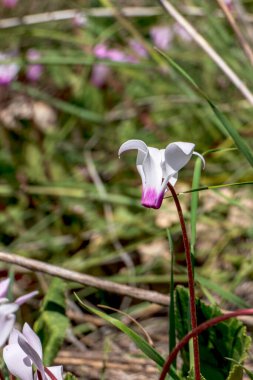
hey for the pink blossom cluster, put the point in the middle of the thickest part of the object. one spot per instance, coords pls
(9, 3)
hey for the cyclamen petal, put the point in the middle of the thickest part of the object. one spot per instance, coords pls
(32, 339)
(178, 154)
(25, 350)
(7, 323)
(8, 310)
(157, 167)
(151, 198)
(4, 287)
(32, 355)
(17, 363)
(20, 300)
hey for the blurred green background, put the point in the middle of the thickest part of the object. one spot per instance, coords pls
(65, 197)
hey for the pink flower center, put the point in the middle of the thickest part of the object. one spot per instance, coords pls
(151, 198)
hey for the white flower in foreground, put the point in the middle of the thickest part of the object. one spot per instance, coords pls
(8, 310)
(158, 167)
(25, 351)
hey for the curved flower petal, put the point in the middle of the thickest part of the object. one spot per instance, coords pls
(32, 339)
(6, 322)
(133, 144)
(17, 362)
(20, 300)
(152, 195)
(173, 179)
(8, 308)
(13, 339)
(177, 156)
(142, 153)
(32, 355)
(3, 301)
(4, 286)
(201, 157)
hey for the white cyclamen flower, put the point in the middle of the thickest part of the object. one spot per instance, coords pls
(157, 167)
(8, 310)
(25, 351)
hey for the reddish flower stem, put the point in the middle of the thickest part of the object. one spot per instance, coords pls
(1, 376)
(50, 374)
(190, 282)
(204, 326)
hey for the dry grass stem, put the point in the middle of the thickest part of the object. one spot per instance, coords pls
(199, 39)
(244, 43)
(84, 279)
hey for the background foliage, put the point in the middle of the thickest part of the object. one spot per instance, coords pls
(65, 198)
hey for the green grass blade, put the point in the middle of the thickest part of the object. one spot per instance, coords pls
(225, 294)
(194, 203)
(148, 350)
(238, 140)
(141, 343)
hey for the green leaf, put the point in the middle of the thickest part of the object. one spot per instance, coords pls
(225, 340)
(238, 140)
(191, 375)
(52, 323)
(236, 373)
(141, 343)
(70, 376)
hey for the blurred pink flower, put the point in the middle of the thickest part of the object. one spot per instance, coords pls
(33, 71)
(161, 36)
(79, 20)
(229, 4)
(100, 51)
(103, 52)
(25, 351)
(9, 3)
(138, 48)
(8, 71)
(101, 71)
(99, 74)
(182, 33)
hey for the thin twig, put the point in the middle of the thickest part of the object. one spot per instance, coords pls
(69, 14)
(242, 40)
(85, 279)
(199, 39)
(243, 18)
